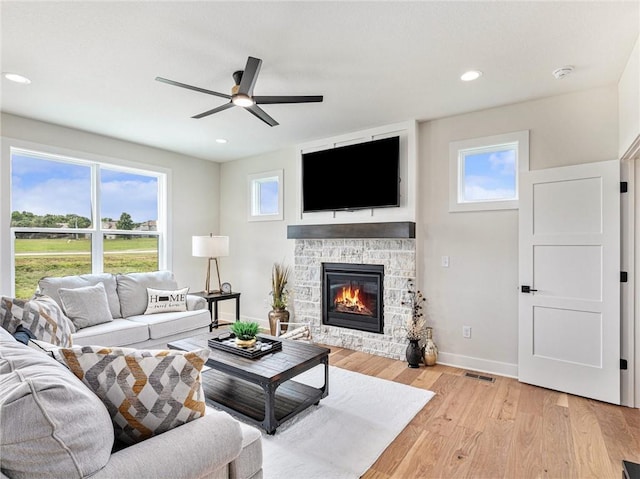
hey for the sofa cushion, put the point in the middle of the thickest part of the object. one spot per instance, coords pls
(162, 325)
(166, 301)
(52, 425)
(132, 289)
(50, 286)
(119, 332)
(86, 306)
(146, 392)
(41, 315)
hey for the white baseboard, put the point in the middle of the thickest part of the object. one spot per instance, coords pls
(478, 364)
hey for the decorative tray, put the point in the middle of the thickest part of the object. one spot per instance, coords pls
(226, 342)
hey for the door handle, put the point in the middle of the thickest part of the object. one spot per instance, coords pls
(527, 289)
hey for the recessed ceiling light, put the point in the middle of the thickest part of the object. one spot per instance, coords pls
(471, 75)
(17, 78)
(221, 140)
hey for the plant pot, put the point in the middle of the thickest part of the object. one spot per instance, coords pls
(245, 343)
(274, 316)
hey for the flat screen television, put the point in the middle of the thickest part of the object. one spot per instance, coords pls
(361, 176)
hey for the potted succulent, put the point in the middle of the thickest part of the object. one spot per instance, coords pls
(245, 333)
(279, 296)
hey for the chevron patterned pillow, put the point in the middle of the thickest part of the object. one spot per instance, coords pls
(145, 392)
(41, 315)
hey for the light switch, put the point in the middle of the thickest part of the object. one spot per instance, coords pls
(445, 261)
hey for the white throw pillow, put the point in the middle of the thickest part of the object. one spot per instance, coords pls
(86, 306)
(166, 301)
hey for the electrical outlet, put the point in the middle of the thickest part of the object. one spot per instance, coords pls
(466, 332)
(444, 261)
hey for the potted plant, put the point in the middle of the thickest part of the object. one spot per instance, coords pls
(245, 333)
(279, 295)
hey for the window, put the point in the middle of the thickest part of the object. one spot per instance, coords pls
(484, 171)
(265, 196)
(73, 216)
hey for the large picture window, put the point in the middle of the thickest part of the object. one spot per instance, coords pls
(74, 216)
(484, 171)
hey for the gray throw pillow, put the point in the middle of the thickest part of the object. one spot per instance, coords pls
(86, 306)
(50, 285)
(132, 289)
(52, 425)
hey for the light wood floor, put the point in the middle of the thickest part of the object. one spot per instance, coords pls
(503, 429)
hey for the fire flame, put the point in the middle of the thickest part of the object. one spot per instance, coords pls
(349, 298)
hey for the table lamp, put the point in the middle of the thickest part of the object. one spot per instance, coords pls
(212, 247)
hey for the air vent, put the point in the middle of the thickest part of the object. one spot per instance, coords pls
(480, 377)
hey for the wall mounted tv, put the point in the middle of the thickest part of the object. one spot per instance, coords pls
(361, 176)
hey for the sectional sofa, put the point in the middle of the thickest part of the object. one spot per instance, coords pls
(95, 393)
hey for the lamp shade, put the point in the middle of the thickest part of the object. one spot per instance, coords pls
(210, 246)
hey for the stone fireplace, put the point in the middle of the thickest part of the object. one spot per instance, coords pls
(394, 256)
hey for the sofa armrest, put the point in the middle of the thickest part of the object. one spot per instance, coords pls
(195, 302)
(200, 448)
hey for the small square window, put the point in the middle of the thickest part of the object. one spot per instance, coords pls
(484, 171)
(265, 196)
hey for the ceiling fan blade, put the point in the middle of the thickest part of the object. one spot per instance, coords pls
(260, 113)
(265, 100)
(249, 76)
(194, 88)
(215, 110)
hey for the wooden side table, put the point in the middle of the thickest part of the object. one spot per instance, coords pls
(212, 301)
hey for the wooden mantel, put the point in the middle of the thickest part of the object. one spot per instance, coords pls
(398, 229)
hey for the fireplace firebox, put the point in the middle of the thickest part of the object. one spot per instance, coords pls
(352, 296)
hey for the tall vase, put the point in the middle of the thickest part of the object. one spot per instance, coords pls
(430, 354)
(275, 315)
(414, 353)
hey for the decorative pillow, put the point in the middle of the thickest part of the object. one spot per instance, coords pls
(41, 315)
(86, 306)
(145, 392)
(165, 301)
(50, 285)
(132, 289)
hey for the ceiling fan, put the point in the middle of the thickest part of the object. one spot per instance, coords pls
(242, 94)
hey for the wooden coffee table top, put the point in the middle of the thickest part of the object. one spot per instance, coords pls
(295, 357)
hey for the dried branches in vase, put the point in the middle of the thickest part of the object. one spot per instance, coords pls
(279, 279)
(416, 326)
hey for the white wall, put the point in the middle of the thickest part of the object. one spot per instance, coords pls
(254, 245)
(480, 287)
(194, 189)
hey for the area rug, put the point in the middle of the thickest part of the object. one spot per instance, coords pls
(344, 435)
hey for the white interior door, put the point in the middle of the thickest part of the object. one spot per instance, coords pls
(569, 325)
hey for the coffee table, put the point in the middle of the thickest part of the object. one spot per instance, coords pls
(261, 391)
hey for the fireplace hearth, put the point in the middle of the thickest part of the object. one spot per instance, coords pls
(352, 296)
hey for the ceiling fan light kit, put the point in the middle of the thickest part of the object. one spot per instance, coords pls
(242, 94)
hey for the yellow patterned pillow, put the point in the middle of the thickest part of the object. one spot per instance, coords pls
(145, 392)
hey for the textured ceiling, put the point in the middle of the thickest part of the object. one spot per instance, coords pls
(93, 64)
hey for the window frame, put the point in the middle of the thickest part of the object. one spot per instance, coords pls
(254, 182)
(95, 163)
(457, 149)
